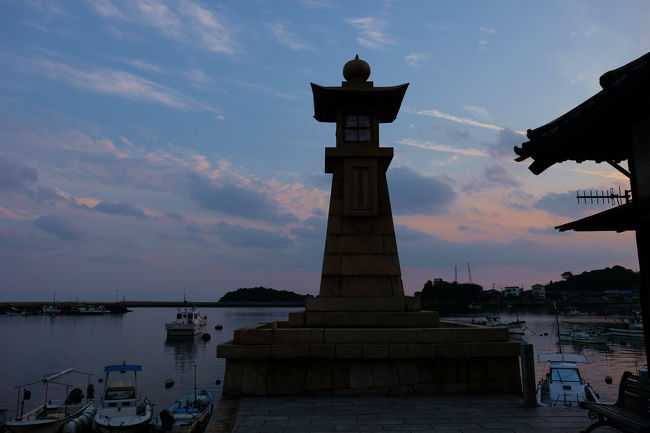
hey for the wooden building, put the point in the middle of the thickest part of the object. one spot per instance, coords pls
(612, 126)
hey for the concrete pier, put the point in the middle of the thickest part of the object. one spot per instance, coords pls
(433, 413)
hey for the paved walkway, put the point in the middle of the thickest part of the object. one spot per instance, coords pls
(448, 414)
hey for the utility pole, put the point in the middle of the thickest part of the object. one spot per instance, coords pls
(455, 274)
(469, 272)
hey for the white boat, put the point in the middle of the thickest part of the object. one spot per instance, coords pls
(563, 385)
(630, 328)
(191, 414)
(122, 409)
(188, 323)
(577, 335)
(516, 327)
(51, 310)
(52, 415)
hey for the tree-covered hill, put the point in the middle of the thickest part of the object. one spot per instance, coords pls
(448, 297)
(262, 294)
(614, 278)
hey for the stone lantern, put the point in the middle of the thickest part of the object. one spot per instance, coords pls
(361, 334)
(360, 250)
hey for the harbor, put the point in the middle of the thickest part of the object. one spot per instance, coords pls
(140, 338)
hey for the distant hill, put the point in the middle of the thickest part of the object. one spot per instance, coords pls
(614, 278)
(262, 294)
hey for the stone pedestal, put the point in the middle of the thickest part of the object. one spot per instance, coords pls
(361, 335)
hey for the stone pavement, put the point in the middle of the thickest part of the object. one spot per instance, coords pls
(439, 413)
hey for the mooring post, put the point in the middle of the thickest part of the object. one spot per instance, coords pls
(528, 375)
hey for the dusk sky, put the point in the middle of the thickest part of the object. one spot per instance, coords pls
(147, 147)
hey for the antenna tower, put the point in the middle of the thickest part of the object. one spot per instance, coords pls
(605, 196)
(455, 274)
(469, 272)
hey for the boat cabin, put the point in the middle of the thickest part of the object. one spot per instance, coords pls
(564, 372)
(121, 390)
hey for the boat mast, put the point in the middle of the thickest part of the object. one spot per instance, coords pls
(557, 325)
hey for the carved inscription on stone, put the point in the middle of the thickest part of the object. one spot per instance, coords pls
(360, 187)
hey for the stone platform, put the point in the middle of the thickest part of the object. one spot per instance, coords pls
(278, 359)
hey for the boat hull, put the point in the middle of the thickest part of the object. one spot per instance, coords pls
(183, 331)
(45, 425)
(632, 333)
(122, 424)
(600, 339)
(181, 420)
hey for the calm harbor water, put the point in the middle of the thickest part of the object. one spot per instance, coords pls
(37, 345)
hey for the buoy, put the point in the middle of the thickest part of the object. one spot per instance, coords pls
(218, 327)
(218, 382)
(206, 336)
(169, 383)
(608, 380)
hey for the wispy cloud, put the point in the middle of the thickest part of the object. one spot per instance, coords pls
(371, 32)
(430, 145)
(197, 77)
(606, 174)
(117, 83)
(106, 9)
(184, 21)
(211, 28)
(463, 120)
(414, 58)
(487, 30)
(142, 65)
(263, 88)
(282, 34)
(477, 111)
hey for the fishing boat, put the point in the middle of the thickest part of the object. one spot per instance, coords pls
(516, 327)
(628, 328)
(52, 415)
(563, 384)
(188, 323)
(122, 409)
(190, 414)
(577, 335)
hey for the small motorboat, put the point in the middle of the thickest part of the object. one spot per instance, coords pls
(577, 335)
(122, 409)
(516, 327)
(191, 414)
(563, 385)
(52, 415)
(188, 323)
(627, 328)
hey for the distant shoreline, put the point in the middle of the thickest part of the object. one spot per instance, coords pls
(123, 305)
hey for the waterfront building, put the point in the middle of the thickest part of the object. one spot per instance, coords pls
(539, 291)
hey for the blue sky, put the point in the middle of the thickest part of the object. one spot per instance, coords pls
(151, 146)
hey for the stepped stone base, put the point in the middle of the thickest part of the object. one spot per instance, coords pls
(431, 357)
(494, 375)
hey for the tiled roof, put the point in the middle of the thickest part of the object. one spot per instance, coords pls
(382, 102)
(598, 128)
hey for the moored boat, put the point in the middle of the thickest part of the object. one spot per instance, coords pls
(516, 327)
(563, 385)
(191, 414)
(188, 323)
(52, 415)
(122, 409)
(628, 328)
(577, 335)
